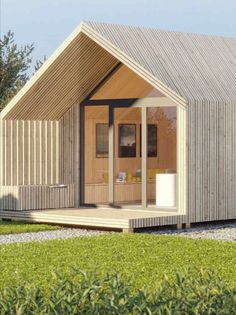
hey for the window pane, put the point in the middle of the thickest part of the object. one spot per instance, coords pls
(102, 140)
(127, 140)
(161, 161)
(96, 154)
(127, 166)
(151, 141)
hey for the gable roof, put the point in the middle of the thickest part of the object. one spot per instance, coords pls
(196, 67)
(182, 66)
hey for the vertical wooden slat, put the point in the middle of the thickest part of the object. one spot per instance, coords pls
(111, 152)
(144, 157)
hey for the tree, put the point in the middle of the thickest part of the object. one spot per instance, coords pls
(39, 64)
(14, 63)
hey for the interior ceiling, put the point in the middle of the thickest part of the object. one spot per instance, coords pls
(124, 83)
(68, 80)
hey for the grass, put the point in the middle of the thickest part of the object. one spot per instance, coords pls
(140, 259)
(15, 227)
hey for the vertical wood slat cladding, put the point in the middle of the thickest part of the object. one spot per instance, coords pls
(69, 171)
(28, 152)
(70, 78)
(36, 197)
(211, 161)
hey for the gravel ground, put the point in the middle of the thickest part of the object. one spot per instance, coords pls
(225, 232)
(47, 235)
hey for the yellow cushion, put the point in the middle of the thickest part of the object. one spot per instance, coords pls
(153, 171)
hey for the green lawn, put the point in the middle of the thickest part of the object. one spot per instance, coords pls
(15, 227)
(141, 259)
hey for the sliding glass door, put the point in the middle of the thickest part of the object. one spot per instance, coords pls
(130, 156)
(161, 157)
(127, 158)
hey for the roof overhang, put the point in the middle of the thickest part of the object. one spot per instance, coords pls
(70, 74)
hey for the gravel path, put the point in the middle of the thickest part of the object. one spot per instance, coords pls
(225, 232)
(47, 235)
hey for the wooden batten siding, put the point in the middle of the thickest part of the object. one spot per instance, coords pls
(69, 168)
(30, 161)
(211, 161)
(70, 78)
(28, 152)
(157, 221)
(182, 169)
(36, 197)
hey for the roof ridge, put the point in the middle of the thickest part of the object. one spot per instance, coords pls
(150, 28)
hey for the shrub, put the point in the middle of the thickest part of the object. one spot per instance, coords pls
(87, 294)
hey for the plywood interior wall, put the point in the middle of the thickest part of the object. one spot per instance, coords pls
(124, 83)
(95, 167)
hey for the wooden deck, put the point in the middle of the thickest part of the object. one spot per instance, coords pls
(107, 218)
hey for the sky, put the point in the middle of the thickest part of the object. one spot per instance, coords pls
(46, 23)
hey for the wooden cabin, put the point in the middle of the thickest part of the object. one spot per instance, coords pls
(126, 118)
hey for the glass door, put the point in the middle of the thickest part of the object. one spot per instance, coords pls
(161, 157)
(96, 177)
(126, 164)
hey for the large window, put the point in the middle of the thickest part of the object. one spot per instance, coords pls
(126, 185)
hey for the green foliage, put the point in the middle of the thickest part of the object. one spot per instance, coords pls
(205, 293)
(14, 63)
(15, 227)
(140, 259)
(39, 64)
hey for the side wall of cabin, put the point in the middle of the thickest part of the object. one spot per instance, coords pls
(211, 161)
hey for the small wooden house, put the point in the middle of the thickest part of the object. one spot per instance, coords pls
(127, 118)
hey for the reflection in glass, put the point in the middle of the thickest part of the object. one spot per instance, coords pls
(96, 154)
(102, 140)
(151, 140)
(165, 161)
(127, 161)
(127, 140)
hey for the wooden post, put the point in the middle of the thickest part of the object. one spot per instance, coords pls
(144, 157)
(111, 157)
(179, 226)
(128, 230)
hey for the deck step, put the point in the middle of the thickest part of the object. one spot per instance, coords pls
(65, 219)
